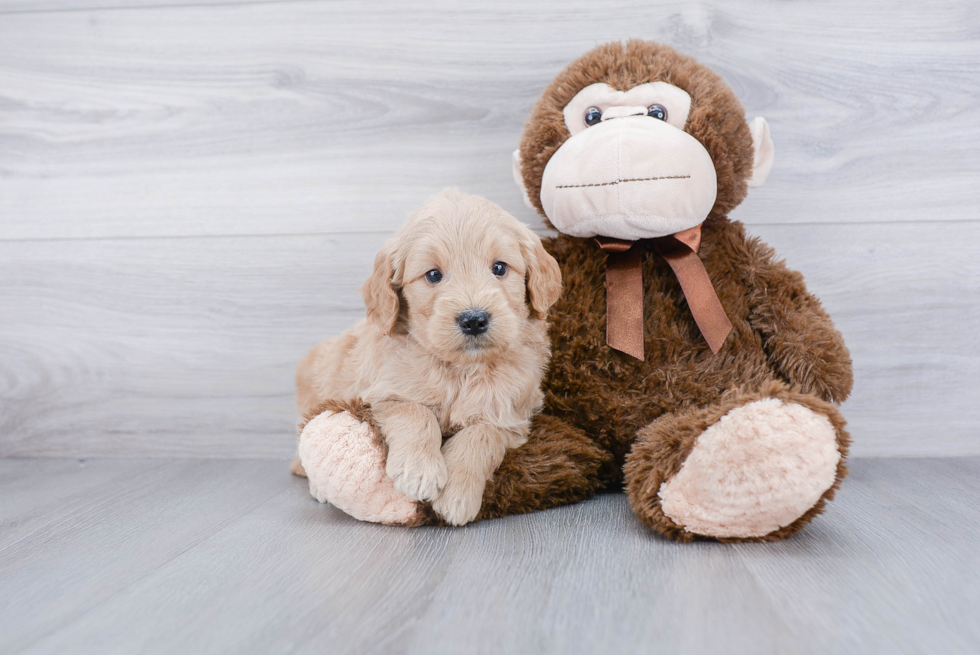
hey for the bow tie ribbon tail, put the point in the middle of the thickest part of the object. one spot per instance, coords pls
(624, 290)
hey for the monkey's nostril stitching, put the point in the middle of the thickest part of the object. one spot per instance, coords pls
(635, 179)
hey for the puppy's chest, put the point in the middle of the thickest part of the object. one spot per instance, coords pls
(477, 396)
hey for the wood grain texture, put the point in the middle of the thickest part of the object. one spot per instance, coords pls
(891, 567)
(39, 6)
(186, 347)
(105, 538)
(307, 117)
(35, 494)
(191, 192)
(167, 346)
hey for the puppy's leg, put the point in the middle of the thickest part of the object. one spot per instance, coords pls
(472, 455)
(415, 462)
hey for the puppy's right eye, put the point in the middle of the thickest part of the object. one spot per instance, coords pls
(592, 116)
(434, 276)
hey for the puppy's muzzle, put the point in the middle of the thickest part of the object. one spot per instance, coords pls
(473, 322)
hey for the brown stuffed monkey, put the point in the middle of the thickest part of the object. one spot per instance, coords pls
(689, 366)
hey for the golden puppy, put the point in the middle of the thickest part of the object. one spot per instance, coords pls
(455, 343)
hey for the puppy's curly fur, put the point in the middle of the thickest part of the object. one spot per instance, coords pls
(422, 375)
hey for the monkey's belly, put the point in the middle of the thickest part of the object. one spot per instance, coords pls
(611, 395)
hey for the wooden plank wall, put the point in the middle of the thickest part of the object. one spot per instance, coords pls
(191, 193)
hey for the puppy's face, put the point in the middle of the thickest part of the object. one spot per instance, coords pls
(463, 278)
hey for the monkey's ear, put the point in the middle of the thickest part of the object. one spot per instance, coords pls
(762, 151)
(380, 293)
(519, 178)
(543, 275)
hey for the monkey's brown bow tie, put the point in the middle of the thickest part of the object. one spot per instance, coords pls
(624, 290)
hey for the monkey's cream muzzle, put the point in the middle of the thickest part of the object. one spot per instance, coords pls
(632, 177)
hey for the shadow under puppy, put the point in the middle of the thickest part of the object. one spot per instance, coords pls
(455, 343)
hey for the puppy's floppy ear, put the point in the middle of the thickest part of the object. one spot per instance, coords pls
(543, 275)
(380, 292)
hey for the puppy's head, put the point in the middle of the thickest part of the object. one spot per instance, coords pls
(463, 277)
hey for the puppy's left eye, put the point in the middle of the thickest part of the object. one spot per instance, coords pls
(434, 276)
(499, 269)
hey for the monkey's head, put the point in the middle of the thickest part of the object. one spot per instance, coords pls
(637, 141)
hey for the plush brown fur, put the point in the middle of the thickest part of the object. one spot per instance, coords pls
(648, 413)
(665, 401)
(556, 466)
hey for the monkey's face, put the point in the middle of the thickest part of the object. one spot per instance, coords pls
(612, 154)
(629, 170)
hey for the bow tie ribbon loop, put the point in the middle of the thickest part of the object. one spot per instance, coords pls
(624, 290)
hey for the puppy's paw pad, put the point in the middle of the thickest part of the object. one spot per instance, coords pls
(345, 464)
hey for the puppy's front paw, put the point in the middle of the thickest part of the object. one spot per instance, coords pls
(420, 476)
(460, 500)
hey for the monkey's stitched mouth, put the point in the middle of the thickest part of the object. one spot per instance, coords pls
(635, 179)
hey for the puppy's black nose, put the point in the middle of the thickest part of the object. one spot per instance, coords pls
(473, 322)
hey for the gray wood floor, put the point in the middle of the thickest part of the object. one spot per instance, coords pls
(232, 556)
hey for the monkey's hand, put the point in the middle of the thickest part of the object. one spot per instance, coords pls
(798, 336)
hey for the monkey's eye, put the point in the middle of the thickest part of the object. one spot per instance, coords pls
(657, 111)
(434, 276)
(592, 116)
(499, 269)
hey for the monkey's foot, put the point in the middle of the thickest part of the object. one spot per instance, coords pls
(758, 469)
(344, 460)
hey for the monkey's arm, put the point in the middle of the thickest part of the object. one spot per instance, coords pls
(798, 336)
(558, 465)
